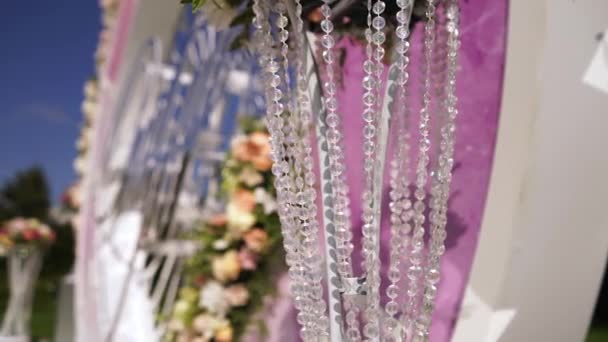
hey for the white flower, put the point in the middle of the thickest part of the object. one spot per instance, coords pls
(79, 165)
(88, 108)
(266, 200)
(90, 89)
(181, 307)
(207, 325)
(250, 177)
(213, 300)
(220, 244)
(239, 221)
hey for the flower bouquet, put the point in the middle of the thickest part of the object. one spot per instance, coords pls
(228, 280)
(23, 242)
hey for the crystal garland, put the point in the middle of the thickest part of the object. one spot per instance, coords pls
(414, 273)
(371, 226)
(289, 118)
(400, 203)
(443, 175)
(300, 244)
(335, 153)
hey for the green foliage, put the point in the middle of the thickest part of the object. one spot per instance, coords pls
(250, 124)
(59, 258)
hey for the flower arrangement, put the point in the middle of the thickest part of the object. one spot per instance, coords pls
(22, 232)
(230, 276)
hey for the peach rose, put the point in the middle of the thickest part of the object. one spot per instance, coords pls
(256, 240)
(237, 295)
(218, 220)
(244, 200)
(227, 267)
(254, 148)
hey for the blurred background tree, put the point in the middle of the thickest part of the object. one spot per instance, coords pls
(26, 195)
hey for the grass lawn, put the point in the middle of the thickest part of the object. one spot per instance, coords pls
(598, 334)
(43, 313)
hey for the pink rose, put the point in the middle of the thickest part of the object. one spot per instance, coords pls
(256, 240)
(248, 260)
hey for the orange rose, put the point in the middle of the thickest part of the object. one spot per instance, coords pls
(256, 240)
(262, 163)
(261, 159)
(254, 148)
(218, 220)
(240, 148)
(244, 200)
(315, 16)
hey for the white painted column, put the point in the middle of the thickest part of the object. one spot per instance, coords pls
(544, 238)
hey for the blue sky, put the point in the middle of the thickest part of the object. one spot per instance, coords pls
(46, 54)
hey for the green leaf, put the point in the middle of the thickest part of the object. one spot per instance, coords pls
(196, 4)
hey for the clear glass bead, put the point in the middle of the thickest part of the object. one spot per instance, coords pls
(326, 10)
(327, 26)
(378, 23)
(392, 308)
(404, 3)
(379, 7)
(402, 32)
(379, 53)
(333, 120)
(328, 57)
(328, 41)
(369, 66)
(379, 37)
(369, 131)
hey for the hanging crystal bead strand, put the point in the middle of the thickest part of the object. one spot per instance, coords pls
(302, 200)
(400, 203)
(299, 276)
(444, 172)
(417, 245)
(343, 236)
(369, 134)
(373, 102)
(336, 169)
(335, 149)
